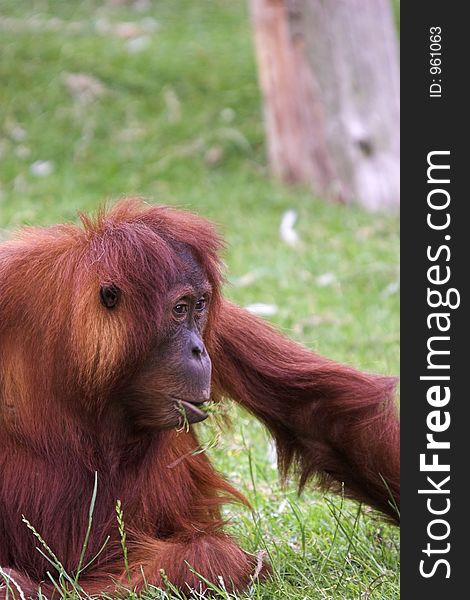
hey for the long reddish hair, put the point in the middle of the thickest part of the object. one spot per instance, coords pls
(61, 357)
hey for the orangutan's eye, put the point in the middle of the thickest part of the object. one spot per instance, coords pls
(201, 304)
(181, 309)
(109, 295)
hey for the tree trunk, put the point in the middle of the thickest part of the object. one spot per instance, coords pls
(329, 76)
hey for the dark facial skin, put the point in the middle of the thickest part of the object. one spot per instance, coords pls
(171, 386)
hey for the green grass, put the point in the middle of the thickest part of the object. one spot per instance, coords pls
(180, 122)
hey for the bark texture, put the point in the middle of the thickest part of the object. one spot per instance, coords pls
(330, 81)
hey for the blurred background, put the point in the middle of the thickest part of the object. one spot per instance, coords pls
(163, 100)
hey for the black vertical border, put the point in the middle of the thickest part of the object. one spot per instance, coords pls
(434, 124)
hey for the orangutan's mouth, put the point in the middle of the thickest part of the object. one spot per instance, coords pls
(190, 410)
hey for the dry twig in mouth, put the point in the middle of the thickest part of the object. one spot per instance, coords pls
(212, 443)
(210, 408)
(198, 450)
(184, 417)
